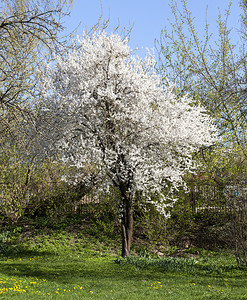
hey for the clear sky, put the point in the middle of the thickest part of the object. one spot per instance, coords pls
(147, 17)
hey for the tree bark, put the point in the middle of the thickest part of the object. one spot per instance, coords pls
(126, 223)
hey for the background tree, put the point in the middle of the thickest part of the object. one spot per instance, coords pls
(213, 73)
(211, 69)
(30, 31)
(108, 109)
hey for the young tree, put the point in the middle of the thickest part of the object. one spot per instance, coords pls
(108, 109)
(209, 67)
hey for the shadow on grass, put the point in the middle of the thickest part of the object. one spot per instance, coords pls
(53, 269)
(13, 251)
(71, 270)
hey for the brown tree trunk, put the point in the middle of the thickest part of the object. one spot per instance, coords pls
(126, 224)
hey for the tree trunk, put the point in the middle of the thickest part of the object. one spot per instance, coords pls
(126, 223)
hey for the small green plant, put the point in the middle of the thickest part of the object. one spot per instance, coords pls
(176, 264)
(3, 238)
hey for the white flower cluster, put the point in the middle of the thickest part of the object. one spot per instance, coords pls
(110, 109)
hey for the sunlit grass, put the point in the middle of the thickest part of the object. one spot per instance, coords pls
(31, 286)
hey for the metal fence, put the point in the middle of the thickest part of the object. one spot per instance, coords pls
(218, 198)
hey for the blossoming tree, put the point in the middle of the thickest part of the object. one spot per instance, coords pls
(111, 110)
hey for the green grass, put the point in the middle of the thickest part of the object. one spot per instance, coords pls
(51, 262)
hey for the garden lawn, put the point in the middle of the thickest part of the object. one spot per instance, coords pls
(96, 277)
(58, 264)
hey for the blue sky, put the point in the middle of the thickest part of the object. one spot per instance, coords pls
(147, 17)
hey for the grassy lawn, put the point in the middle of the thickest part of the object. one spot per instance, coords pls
(42, 263)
